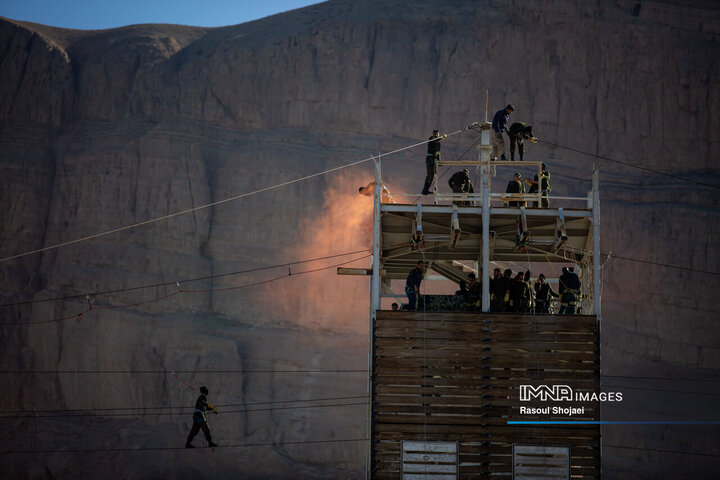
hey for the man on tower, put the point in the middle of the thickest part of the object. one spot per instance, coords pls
(544, 185)
(412, 284)
(500, 125)
(433, 154)
(460, 183)
(570, 286)
(200, 420)
(515, 186)
(518, 132)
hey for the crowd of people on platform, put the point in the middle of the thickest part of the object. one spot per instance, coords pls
(518, 294)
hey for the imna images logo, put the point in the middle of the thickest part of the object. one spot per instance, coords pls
(554, 393)
(560, 393)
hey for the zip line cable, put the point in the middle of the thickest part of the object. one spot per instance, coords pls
(143, 414)
(188, 280)
(219, 202)
(165, 372)
(110, 409)
(628, 164)
(91, 307)
(142, 449)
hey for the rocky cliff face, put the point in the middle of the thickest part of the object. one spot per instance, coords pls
(101, 129)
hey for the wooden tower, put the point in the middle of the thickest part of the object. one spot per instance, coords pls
(452, 390)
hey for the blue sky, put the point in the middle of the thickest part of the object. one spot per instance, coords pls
(100, 14)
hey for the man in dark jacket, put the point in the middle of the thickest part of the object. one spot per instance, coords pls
(500, 125)
(412, 284)
(543, 293)
(515, 186)
(518, 132)
(460, 183)
(474, 289)
(570, 286)
(497, 293)
(200, 420)
(544, 186)
(506, 284)
(433, 154)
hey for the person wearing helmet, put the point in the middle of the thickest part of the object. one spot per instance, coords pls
(460, 183)
(200, 420)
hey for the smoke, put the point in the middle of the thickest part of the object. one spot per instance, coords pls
(323, 299)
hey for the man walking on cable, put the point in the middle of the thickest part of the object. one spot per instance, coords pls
(200, 420)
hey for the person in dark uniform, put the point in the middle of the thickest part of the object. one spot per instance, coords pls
(518, 132)
(544, 186)
(460, 183)
(412, 285)
(521, 294)
(496, 291)
(543, 293)
(200, 420)
(506, 285)
(570, 286)
(474, 290)
(433, 154)
(500, 125)
(515, 186)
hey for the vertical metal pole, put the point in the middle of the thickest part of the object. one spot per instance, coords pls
(484, 158)
(485, 172)
(596, 241)
(375, 286)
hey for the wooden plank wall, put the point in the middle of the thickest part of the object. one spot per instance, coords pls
(456, 376)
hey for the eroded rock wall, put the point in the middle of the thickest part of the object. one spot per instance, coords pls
(102, 129)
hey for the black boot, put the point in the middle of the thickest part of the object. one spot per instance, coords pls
(503, 158)
(189, 445)
(212, 445)
(426, 189)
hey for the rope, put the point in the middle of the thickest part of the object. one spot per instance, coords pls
(639, 167)
(163, 297)
(219, 202)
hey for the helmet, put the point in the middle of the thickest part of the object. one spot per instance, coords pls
(204, 390)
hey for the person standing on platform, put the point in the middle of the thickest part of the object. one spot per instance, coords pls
(570, 287)
(515, 186)
(496, 291)
(521, 294)
(507, 285)
(433, 155)
(543, 293)
(474, 290)
(518, 132)
(544, 186)
(200, 420)
(412, 285)
(500, 125)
